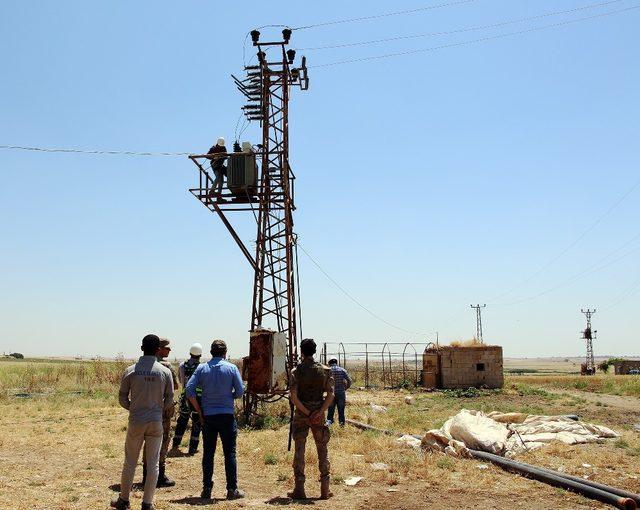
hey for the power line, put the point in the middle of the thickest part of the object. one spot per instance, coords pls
(461, 30)
(94, 151)
(593, 268)
(625, 294)
(474, 41)
(384, 15)
(346, 293)
(573, 243)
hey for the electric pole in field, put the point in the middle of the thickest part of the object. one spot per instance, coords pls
(589, 366)
(478, 309)
(267, 191)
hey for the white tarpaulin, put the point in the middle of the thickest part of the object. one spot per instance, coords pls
(509, 433)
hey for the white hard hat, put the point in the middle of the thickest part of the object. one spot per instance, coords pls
(220, 141)
(196, 350)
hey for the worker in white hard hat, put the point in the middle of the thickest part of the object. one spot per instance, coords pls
(187, 368)
(218, 167)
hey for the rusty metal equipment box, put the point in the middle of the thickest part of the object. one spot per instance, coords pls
(267, 364)
(242, 174)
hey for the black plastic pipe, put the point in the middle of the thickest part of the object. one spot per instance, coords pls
(558, 480)
(601, 486)
(620, 498)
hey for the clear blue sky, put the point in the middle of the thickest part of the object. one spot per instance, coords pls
(425, 182)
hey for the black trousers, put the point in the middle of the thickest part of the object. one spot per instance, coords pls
(223, 425)
(186, 412)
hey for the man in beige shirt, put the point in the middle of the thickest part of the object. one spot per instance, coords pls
(146, 391)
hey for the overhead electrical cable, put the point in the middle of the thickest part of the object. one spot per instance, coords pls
(630, 291)
(353, 299)
(461, 30)
(474, 41)
(384, 15)
(94, 151)
(593, 225)
(593, 268)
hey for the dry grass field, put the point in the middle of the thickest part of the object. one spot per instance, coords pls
(62, 447)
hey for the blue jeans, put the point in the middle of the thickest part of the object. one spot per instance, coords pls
(339, 401)
(225, 426)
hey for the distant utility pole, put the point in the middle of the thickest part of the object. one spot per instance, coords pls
(478, 308)
(589, 335)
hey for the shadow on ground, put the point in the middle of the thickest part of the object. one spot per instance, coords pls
(280, 501)
(196, 501)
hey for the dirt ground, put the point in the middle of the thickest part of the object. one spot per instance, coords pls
(66, 452)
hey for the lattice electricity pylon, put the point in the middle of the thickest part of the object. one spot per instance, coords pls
(266, 88)
(478, 309)
(589, 335)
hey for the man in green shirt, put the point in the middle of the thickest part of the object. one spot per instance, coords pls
(311, 387)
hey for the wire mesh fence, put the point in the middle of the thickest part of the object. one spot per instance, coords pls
(381, 365)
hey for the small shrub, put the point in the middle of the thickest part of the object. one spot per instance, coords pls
(445, 463)
(270, 459)
(621, 443)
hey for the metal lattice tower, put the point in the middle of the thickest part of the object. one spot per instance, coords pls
(266, 88)
(589, 335)
(478, 309)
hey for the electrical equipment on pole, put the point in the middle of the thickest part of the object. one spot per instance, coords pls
(589, 335)
(478, 308)
(269, 195)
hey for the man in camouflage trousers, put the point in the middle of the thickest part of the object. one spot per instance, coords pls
(311, 389)
(185, 371)
(163, 479)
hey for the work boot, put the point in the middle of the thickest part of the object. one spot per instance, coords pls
(148, 506)
(192, 452)
(120, 504)
(298, 491)
(325, 493)
(163, 479)
(206, 493)
(235, 494)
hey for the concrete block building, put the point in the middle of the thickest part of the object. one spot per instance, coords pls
(624, 367)
(453, 367)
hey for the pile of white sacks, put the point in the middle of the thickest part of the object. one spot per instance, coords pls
(508, 434)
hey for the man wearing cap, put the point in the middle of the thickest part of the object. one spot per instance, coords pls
(311, 388)
(217, 165)
(146, 391)
(163, 480)
(185, 371)
(221, 383)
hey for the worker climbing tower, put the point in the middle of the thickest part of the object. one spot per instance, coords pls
(268, 193)
(589, 366)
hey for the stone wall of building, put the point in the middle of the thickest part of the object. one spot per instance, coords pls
(623, 367)
(465, 367)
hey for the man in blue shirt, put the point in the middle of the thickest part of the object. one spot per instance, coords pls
(221, 383)
(342, 384)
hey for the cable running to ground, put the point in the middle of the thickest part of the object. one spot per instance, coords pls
(462, 30)
(384, 15)
(474, 41)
